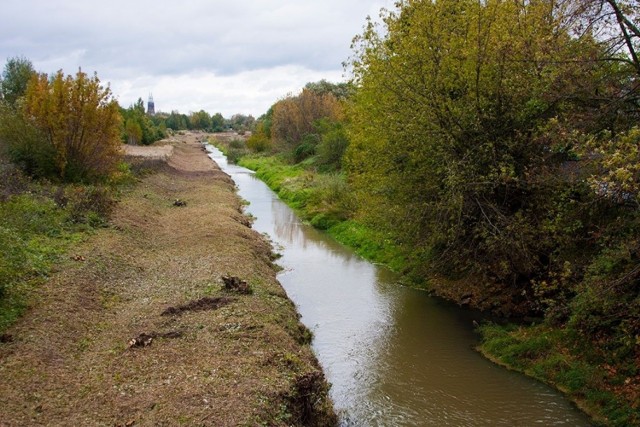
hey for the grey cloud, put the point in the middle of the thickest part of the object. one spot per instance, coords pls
(124, 40)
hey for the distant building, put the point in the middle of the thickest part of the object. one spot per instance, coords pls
(151, 107)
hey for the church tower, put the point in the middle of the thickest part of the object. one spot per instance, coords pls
(151, 107)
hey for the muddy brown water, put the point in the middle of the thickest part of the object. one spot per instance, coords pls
(394, 355)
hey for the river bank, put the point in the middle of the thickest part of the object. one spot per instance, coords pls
(136, 325)
(398, 356)
(602, 386)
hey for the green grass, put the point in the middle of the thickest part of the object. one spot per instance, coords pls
(33, 233)
(37, 225)
(552, 355)
(369, 244)
(324, 200)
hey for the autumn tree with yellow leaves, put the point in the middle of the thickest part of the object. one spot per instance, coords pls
(79, 121)
(295, 116)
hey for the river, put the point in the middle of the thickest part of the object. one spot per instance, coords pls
(394, 355)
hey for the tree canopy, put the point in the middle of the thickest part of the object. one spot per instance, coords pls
(467, 122)
(15, 77)
(79, 119)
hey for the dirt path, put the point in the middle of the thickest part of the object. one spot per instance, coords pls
(135, 326)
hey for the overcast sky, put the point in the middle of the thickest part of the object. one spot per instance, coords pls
(231, 56)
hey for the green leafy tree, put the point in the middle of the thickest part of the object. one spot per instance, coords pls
(217, 123)
(339, 90)
(333, 145)
(449, 146)
(200, 120)
(177, 121)
(133, 132)
(24, 144)
(15, 77)
(139, 127)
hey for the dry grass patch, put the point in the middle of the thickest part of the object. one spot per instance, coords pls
(70, 360)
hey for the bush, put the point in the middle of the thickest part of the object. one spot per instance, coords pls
(14, 180)
(332, 147)
(236, 150)
(25, 145)
(88, 204)
(78, 126)
(259, 142)
(306, 149)
(329, 201)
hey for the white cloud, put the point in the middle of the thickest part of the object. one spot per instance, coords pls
(227, 56)
(247, 92)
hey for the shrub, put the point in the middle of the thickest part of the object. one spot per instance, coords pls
(25, 145)
(78, 124)
(259, 142)
(87, 204)
(332, 147)
(236, 150)
(306, 149)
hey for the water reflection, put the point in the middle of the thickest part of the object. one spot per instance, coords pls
(394, 356)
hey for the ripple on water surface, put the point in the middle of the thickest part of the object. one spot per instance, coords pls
(394, 356)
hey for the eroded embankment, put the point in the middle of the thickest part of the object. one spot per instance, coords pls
(137, 327)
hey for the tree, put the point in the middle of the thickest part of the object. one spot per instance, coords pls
(139, 127)
(614, 23)
(80, 121)
(177, 121)
(450, 143)
(15, 77)
(217, 122)
(339, 90)
(294, 117)
(133, 132)
(200, 120)
(333, 144)
(241, 123)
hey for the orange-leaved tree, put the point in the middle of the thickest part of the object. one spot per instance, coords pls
(295, 116)
(80, 120)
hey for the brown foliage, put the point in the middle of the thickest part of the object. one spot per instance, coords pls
(294, 117)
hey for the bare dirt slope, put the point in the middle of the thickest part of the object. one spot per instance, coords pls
(135, 326)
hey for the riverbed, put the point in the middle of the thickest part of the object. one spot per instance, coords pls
(394, 355)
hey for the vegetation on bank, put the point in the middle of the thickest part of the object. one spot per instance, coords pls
(39, 220)
(61, 163)
(490, 149)
(323, 200)
(591, 378)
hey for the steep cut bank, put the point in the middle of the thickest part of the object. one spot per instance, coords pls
(172, 315)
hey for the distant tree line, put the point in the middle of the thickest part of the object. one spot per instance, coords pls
(70, 127)
(201, 120)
